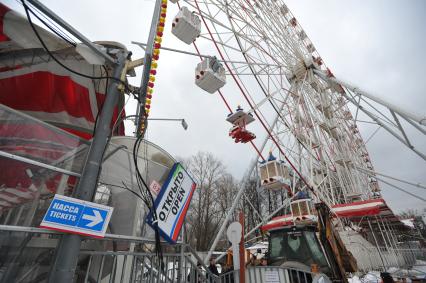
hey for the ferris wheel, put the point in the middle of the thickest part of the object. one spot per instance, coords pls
(267, 57)
(272, 63)
(261, 49)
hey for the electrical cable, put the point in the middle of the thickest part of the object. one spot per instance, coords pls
(148, 199)
(57, 32)
(122, 187)
(27, 10)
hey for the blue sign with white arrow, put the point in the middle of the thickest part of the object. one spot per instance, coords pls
(77, 216)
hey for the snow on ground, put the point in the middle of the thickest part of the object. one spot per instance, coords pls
(408, 223)
(418, 271)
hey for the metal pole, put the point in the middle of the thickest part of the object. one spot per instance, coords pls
(239, 194)
(68, 249)
(142, 45)
(181, 270)
(147, 60)
(377, 244)
(242, 252)
(386, 239)
(71, 30)
(394, 243)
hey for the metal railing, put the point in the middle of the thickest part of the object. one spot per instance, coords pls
(139, 267)
(383, 258)
(277, 274)
(26, 256)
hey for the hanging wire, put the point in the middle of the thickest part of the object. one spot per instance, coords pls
(28, 10)
(51, 25)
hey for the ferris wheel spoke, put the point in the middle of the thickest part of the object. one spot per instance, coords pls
(249, 26)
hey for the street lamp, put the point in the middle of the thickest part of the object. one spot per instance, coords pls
(134, 117)
(183, 122)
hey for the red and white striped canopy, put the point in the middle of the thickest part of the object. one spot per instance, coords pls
(354, 211)
(358, 208)
(31, 82)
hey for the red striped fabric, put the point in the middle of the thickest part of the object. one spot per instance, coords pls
(3, 10)
(45, 92)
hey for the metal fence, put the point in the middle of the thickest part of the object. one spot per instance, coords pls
(277, 274)
(382, 258)
(140, 267)
(26, 255)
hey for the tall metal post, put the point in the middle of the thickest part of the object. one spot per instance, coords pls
(242, 277)
(140, 111)
(181, 270)
(68, 249)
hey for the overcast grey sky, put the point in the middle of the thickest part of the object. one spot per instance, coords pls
(377, 45)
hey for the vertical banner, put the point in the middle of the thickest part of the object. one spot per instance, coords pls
(172, 203)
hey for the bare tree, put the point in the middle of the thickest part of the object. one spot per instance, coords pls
(409, 213)
(211, 198)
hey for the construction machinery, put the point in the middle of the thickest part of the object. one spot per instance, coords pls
(307, 240)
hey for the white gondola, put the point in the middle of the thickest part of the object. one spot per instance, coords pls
(324, 104)
(374, 186)
(210, 75)
(301, 121)
(319, 176)
(311, 48)
(341, 101)
(240, 117)
(343, 160)
(303, 211)
(354, 129)
(304, 138)
(300, 135)
(302, 35)
(284, 10)
(330, 128)
(347, 115)
(274, 174)
(354, 197)
(186, 25)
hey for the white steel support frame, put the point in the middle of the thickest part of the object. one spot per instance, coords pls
(394, 108)
(372, 173)
(415, 120)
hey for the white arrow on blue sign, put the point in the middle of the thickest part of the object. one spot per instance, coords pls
(77, 216)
